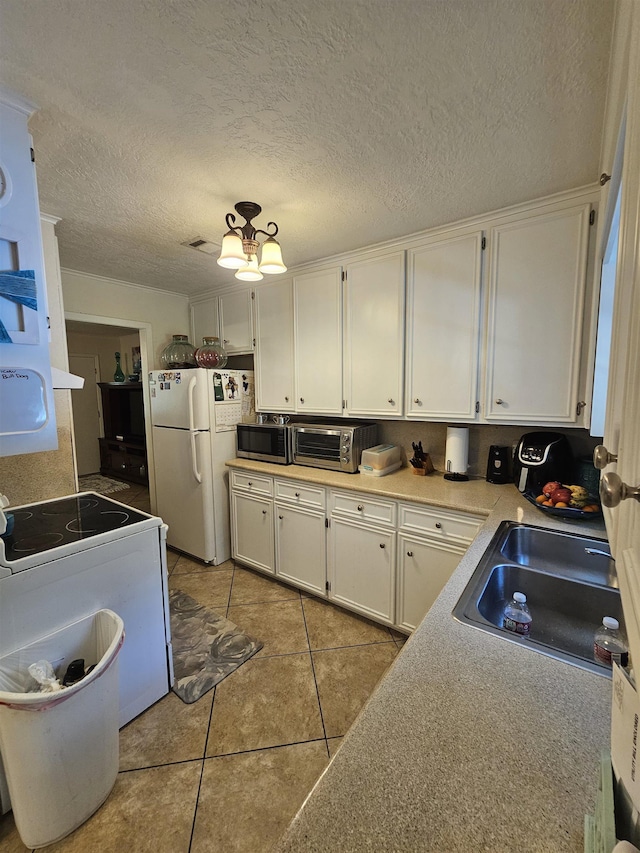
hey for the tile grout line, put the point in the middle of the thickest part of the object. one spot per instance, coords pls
(204, 758)
(315, 680)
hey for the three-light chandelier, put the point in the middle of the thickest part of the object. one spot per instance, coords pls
(240, 248)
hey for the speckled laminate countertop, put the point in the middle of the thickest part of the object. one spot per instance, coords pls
(469, 743)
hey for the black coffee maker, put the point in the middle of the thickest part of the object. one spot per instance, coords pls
(498, 464)
(540, 457)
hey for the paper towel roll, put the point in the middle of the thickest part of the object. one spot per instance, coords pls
(457, 450)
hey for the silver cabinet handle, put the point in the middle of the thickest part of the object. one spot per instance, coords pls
(499, 402)
(382, 544)
(360, 507)
(613, 490)
(297, 494)
(439, 525)
(393, 402)
(419, 402)
(602, 457)
(281, 517)
(302, 399)
(250, 483)
(264, 512)
(286, 399)
(409, 553)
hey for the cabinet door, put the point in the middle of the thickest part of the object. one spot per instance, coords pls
(443, 328)
(205, 321)
(374, 336)
(536, 299)
(362, 569)
(236, 323)
(424, 567)
(252, 531)
(274, 347)
(317, 299)
(301, 551)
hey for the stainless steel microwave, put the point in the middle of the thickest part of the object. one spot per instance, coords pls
(264, 442)
(337, 447)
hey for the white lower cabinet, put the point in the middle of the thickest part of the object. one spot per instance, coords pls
(424, 567)
(301, 549)
(252, 531)
(362, 569)
(385, 559)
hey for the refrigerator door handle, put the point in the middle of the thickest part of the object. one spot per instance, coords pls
(194, 457)
(192, 388)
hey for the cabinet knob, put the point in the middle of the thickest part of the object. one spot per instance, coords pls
(286, 399)
(602, 457)
(419, 402)
(613, 490)
(250, 483)
(360, 507)
(281, 517)
(297, 494)
(264, 512)
(439, 525)
(409, 553)
(302, 399)
(393, 402)
(225, 341)
(382, 544)
(499, 402)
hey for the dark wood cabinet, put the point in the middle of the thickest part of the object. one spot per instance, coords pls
(125, 460)
(123, 452)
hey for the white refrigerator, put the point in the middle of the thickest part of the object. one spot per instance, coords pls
(194, 414)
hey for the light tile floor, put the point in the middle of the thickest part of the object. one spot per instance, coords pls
(229, 772)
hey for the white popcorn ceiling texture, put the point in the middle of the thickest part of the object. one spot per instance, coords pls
(350, 121)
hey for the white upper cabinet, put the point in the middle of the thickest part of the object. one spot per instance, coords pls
(317, 300)
(27, 407)
(374, 336)
(443, 328)
(236, 321)
(274, 347)
(205, 320)
(535, 311)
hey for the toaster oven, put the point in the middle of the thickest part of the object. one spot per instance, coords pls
(337, 447)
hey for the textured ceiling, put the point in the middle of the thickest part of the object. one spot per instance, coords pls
(350, 121)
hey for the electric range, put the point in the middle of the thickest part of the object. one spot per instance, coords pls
(69, 557)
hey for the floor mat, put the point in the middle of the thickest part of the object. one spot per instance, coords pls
(101, 485)
(206, 647)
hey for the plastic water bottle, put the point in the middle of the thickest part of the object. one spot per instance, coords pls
(517, 617)
(608, 643)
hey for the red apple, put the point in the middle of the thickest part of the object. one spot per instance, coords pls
(551, 487)
(560, 496)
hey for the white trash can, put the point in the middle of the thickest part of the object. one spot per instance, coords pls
(60, 750)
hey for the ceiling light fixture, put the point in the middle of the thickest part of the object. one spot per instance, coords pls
(240, 247)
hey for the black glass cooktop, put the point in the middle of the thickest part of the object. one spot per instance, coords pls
(40, 527)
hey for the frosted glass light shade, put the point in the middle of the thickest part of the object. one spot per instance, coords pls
(232, 255)
(250, 272)
(271, 262)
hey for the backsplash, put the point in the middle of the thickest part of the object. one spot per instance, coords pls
(481, 437)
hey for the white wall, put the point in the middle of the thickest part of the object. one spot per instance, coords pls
(95, 296)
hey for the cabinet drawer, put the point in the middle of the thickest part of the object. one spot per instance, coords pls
(254, 483)
(363, 508)
(444, 524)
(300, 493)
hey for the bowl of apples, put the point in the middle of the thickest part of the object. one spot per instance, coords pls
(575, 502)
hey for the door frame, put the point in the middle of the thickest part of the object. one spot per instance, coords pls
(146, 349)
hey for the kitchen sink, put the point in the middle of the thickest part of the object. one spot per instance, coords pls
(569, 581)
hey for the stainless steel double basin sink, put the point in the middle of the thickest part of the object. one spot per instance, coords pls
(570, 584)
